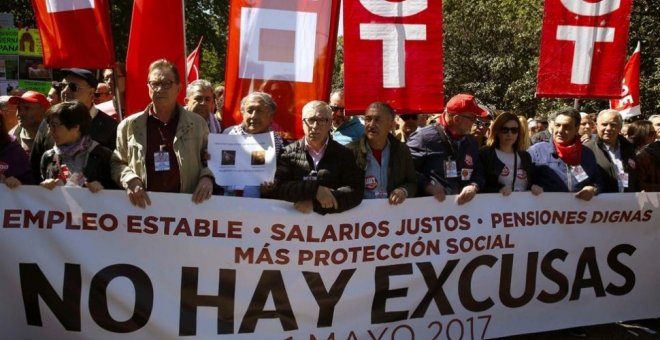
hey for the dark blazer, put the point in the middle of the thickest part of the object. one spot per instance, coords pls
(336, 170)
(493, 168)
(606, 166)
(400, 170)
(430, 148)
(97, 167)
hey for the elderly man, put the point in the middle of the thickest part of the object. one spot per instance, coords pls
(344, 129)
(258, 110)
(615, 155)
(32, 108)
(200, 99)
(103, 93)
(586, 130)
(316, 172)
(78, 84)
(445, 157)
(385, 161)
(161, 148)
(563, 164)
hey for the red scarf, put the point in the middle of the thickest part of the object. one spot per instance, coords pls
(570, 154)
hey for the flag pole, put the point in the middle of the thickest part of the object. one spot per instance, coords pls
(185, 47)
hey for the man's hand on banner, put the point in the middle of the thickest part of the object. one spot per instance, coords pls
(437, 190)
(51, 183)
(587, 193)
(304, 207)
(137, 193)
(326, 198)
(467, 194)
(203, 191)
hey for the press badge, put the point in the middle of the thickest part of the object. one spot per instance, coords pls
(450, 169)
(579, 173)
(162, 159)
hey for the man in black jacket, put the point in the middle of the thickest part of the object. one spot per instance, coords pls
(614, 154)
(78, 84)
(317, 173)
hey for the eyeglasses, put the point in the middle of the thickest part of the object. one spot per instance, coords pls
(73, 87)
(408, 117)
(482, 124)
(336, 108)
(54, 124)
(504, 130)
(313, 121)
(163, 84)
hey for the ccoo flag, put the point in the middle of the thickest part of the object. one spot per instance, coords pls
(75, 33)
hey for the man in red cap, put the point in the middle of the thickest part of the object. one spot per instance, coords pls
(446, 159)
(32, 107)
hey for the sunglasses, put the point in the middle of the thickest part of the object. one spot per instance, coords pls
(336, 108)
(482, 124)
(73, 87)
(505, 130)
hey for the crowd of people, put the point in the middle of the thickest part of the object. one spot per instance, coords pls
(65, 138)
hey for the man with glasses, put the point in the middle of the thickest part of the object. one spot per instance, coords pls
(317, 173)
(102, 94)
(481, 127)
(446, 159)
(77, 85)
(161, 148)
(344, 129)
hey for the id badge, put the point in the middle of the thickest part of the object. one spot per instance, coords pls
(466, 174)
(450, 169)
(162, 161)
(579, 173)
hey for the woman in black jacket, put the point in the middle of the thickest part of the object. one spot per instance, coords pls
(507, 166)
(76, 160)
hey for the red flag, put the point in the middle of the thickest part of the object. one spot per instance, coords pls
(157, 32)
(393, 53)
(284, 48)
(192, 63)
(583, 44)
(630, 105)
(75, 33)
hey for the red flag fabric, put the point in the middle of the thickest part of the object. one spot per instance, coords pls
(583, 48)
(192, 63)
(284, 48)
(393, 53)
(630, 104)
(157, 32)
(75, 33)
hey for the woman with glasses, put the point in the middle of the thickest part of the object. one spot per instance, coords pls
(14, 164)
(76, 160)
(507, 166)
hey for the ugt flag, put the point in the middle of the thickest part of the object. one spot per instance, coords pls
(284, 48)
(630, 105)
(75, 33)
(393, 53)
(156, 33)
(583, 48)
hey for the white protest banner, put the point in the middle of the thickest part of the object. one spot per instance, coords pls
(82, 266)
(242, 160)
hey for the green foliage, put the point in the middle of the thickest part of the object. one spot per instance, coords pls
(338, 71)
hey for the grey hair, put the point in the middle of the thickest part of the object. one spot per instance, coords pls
(199, 84)
(317, 106)
(265, 97)
(610, 111)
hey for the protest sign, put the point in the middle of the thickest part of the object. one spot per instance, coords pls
(240, 160)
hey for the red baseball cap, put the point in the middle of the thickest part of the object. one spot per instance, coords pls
(465, 103)
(31, 97)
